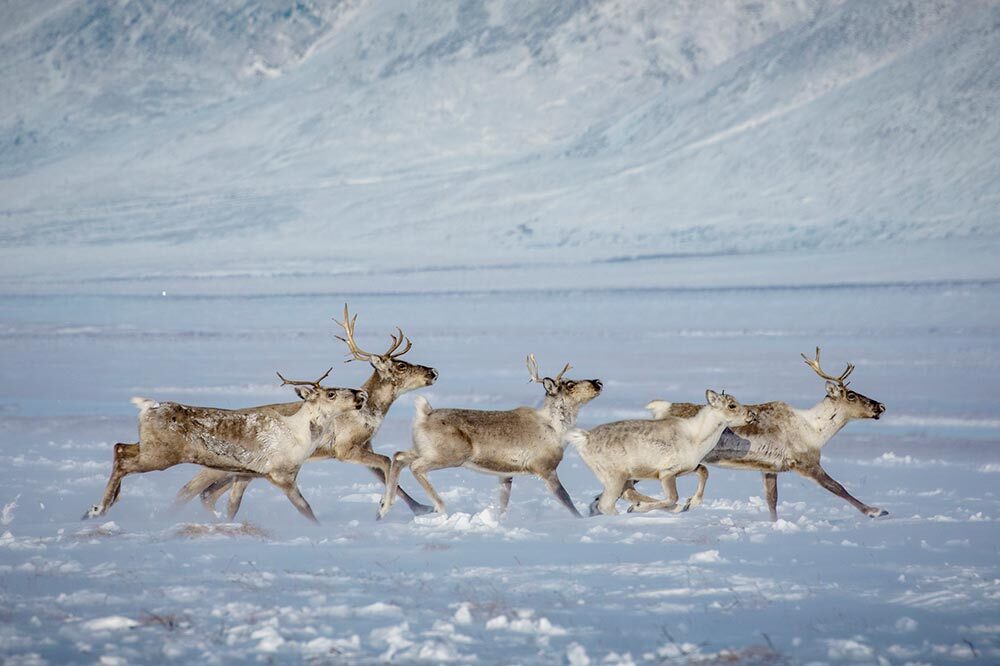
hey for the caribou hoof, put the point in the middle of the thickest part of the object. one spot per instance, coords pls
(681, 508)
(92, 512)
(875, 512)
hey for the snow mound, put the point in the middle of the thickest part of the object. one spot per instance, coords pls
(110, 623)
(486, 521)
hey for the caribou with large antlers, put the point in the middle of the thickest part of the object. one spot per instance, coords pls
(503, 443)
(351, 437)
(270, 441)
(784, 439)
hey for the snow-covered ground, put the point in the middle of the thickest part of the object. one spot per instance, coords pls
(718, 584)
(672, 196)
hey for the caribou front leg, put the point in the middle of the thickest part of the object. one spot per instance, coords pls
(633, 496)
(505, 484)
(771, 493)
(555, 486)
(669, 482)
(819, 475)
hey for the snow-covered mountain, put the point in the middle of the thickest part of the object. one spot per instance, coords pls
(150, 140)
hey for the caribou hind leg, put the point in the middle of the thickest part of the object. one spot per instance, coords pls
(197, 485)
(418, 508)
(128, 459)
(210, 495)
(419, 469)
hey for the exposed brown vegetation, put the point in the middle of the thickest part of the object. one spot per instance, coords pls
(197, 530)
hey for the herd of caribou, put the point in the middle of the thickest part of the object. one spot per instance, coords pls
(273, 441)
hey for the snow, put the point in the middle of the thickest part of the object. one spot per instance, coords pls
(7, 514)
(111, 623)
(705, 557)
(536, 584)
(670, 196)
(600, 134)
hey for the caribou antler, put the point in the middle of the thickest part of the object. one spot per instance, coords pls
(359, 353)
(533, 370)
(348, 326)
(814, 364)
(392, 353)
(295, 382)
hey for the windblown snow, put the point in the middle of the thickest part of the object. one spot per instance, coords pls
(670, 196)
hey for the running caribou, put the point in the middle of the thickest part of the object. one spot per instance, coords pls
(270, 441)
(350, 439)
(661, 449)
(503, 443)
(784, 439)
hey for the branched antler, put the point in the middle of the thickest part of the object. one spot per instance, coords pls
(348, 326)
(814, 364)
(360, 354)
(563, 371)
(392, 353)
(295, 382)
(533, 370)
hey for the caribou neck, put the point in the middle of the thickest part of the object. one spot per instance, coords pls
(559, 413)
(707, 424)
(825, 419)
(381, 393)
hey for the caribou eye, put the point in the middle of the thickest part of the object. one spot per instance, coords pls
(570, 384)
(732, 405)
(852, 396)
(400, 365)
(330, 394)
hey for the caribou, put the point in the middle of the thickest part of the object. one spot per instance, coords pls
(502, 443)
(663, 449)
(784, 439)
(350, 439)
(270, 441)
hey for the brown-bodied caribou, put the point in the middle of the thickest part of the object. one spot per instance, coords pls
(350, 438)
(270, 441)
(783, 439)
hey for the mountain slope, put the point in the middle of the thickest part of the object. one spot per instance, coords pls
(392, 134)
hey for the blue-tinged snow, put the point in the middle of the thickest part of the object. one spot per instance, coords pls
(823, 584)
(671, 196)
(393, 134)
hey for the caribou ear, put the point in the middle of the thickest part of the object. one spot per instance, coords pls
(550, 386)
(713, 398)
(306, 392)
(833, 389)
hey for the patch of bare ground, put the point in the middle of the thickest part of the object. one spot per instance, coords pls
(170, 622)
(198, 530)
(752, 655)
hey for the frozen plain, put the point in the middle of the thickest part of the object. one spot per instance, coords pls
(671, 196)
(715, 585)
